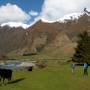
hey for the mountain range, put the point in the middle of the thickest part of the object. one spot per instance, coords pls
(53, 38)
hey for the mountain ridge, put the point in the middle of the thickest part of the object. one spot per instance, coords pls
(48, 38)
(25, 26)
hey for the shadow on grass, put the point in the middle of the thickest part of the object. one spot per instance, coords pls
(16, 81)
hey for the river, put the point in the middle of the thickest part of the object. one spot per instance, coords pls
(16, 64)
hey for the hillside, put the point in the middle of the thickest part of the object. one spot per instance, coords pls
(11, 39)
(54, 39)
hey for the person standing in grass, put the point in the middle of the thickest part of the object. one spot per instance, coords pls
(73, 66)
(85, 67)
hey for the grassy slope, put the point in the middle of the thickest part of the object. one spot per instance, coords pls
(55, 53)
(52, 78)
(41, 57)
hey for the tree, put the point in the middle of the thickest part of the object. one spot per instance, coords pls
(82, 51)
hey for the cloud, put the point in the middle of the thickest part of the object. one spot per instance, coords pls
(54, 9)
(12, 13)
(33, 13)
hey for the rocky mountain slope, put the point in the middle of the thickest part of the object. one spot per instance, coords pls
(53, 38)
(58, 35)
(11, 39)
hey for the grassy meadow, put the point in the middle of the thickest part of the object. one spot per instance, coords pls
(53, 77)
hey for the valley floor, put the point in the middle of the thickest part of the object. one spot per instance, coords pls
(54, 77)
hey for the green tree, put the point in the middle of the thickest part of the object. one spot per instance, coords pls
(82, 51)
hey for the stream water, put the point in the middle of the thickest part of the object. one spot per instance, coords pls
(16, 64)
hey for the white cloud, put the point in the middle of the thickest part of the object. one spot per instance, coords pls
(33, 13)
(54, 9)
(12, 13)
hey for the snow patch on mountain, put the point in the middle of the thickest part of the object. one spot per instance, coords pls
(47, 21)
(70, 16)
(15, 24)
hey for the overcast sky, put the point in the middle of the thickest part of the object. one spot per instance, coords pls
(28, 11)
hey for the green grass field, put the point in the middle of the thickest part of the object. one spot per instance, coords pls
(56, 77)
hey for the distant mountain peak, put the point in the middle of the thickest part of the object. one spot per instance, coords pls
(47, 21)
(15, 24)
(70, 16)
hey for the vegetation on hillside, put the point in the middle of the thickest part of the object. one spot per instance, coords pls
(82, 53)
